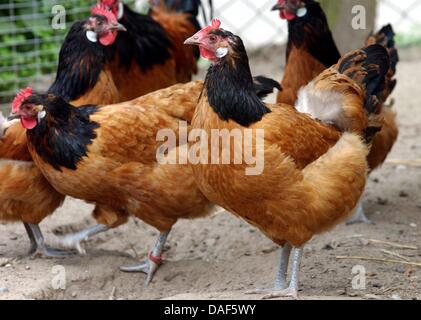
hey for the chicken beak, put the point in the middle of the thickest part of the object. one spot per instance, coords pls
(194, 40)
(118, 27)
(277, 7)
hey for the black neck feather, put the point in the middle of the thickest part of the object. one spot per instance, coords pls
(230, 90)
(80, 64)
(63, 136)
(145, 40)
(312, 33)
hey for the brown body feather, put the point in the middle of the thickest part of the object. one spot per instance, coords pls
(25, 195)
(179, 28)
(179, 68)
(310, 180)
(384, 140)
(300, 69)
(105, 91)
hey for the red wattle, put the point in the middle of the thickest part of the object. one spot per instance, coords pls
(28, 123)
(288, 15)
(207, 54)
(108, 38)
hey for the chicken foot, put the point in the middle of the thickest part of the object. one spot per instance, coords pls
(38, 246)
(359, 215)
(74, 240)
(151, 265)
(280, 289)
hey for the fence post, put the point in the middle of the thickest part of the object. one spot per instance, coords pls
(340, 19)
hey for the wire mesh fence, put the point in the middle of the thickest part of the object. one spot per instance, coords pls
(29, 45)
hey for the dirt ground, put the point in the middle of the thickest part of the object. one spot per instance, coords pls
(222, 256)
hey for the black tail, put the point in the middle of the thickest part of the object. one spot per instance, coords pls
(265, 86)
(386, 37)
(368, 67)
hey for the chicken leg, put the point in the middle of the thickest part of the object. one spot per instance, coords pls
(151, 265)
(74, 240)
(359, 215)
(38, 247)
(280, 289)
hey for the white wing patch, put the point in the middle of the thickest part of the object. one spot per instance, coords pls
(325, 105)
(2, 125)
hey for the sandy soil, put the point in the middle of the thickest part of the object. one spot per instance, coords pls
(222, 256)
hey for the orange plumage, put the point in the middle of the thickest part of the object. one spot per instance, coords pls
(313, 174)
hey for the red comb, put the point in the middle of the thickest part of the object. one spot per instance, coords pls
(20, 97)
(216, 23)
(101, 10)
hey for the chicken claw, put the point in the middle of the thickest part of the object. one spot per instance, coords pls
(280, 289)
(38, 247)
(359, 216)
(152, 264)
(74, 240)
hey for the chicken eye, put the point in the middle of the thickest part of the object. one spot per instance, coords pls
(212, 38)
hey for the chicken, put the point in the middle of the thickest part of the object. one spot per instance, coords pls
(151, 53)
(108, 156)
(311, 49)
(84, 73)
(312, 174)
(25, 195)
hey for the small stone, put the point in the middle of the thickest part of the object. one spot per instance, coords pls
(376, 180)
(395, 296)
(74, 294)
(3, 262)
(341, 292)
(403, 194)
(401, 167)
(372, 297)
(13, 238)
(376, 285)
(400, 269)
(8, 265)
(364, 242)
(4, 290)
(413, 225)
(382, 201)
(27, 268)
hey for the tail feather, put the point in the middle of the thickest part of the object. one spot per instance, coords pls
(368, 68)
(386, 37)
(348, 94)
(265, 86)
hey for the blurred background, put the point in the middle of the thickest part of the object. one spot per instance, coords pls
(29, 45)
